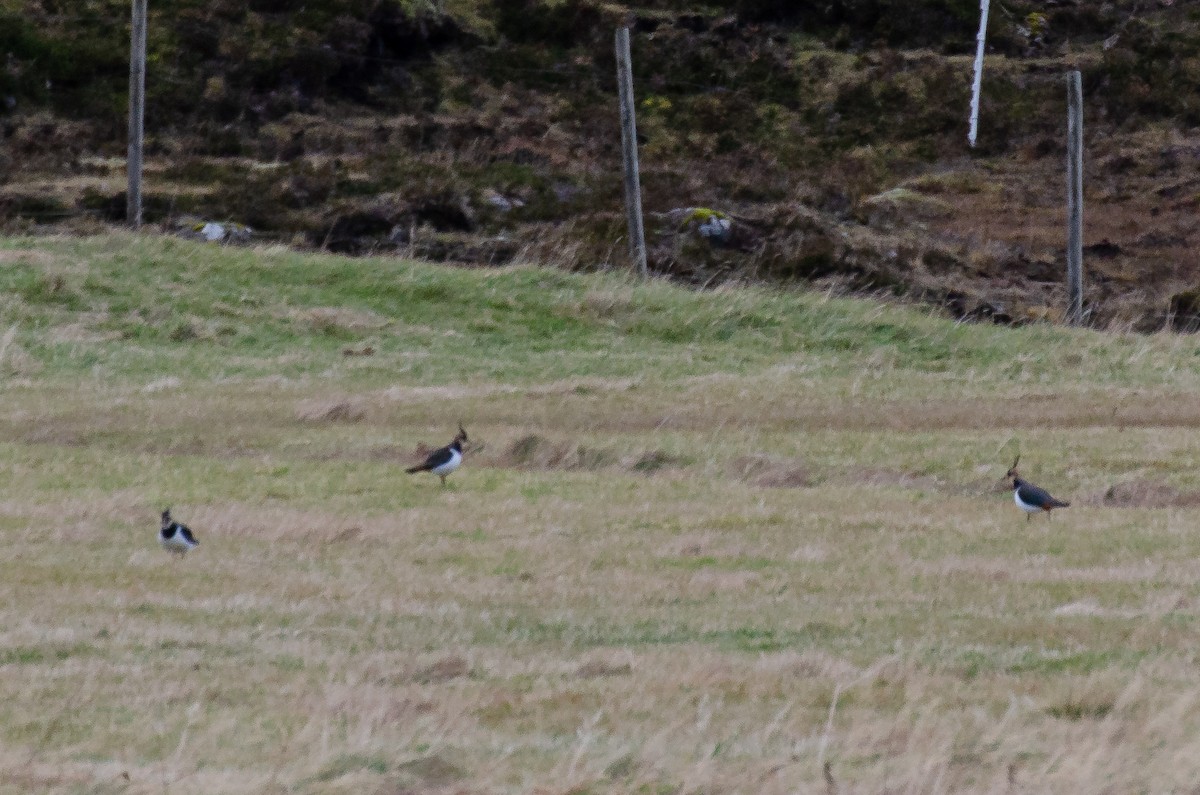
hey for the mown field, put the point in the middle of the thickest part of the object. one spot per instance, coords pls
(737, 541)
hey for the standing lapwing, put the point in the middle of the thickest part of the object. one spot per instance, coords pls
(444, 460)
(1028, 497)
(175, 537)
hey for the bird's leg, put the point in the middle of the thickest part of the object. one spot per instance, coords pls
(1029, 517)
(443, 477)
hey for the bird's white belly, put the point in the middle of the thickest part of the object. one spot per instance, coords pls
(449, 466)
(175, 543)
(1024, 506)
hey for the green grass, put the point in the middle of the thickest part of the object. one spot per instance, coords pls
(702, 541)
(208, 313)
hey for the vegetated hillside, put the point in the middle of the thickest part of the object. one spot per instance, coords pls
(832, 135)
(692, 526)
(125, 307)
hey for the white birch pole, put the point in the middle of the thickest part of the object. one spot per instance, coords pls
(978, 85)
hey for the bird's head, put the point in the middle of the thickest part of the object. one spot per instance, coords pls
(1012, 470)
(166, 518)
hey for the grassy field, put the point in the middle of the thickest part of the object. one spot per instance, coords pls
(738, 541)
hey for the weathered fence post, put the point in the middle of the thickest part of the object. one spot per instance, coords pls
(137, 113)
(633, 187)
(1074, 198)
(977, 86)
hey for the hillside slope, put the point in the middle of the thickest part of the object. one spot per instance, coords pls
(833, 135)
(142, 306)
(737, 540)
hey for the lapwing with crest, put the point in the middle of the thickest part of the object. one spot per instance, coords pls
(443, 460)
(1028, 497)
(175, 537)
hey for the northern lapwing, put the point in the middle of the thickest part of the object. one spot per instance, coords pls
(444, 460)
(175, 537)
(1029, 498)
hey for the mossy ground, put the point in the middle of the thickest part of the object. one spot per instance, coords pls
(486, 131)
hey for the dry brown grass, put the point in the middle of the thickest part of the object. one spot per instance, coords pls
(331, 411)
(762, 470)
(1009, 224)
(800, 571)
(882, 622)
(1148, 494)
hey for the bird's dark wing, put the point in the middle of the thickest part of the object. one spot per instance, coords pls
(187, 534)
(435, 459)
(1032, 495)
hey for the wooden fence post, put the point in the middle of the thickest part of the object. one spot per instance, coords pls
(633, 187)
(137, 113)
(1074, 198)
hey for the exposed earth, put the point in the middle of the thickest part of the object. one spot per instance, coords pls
(821, 145)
